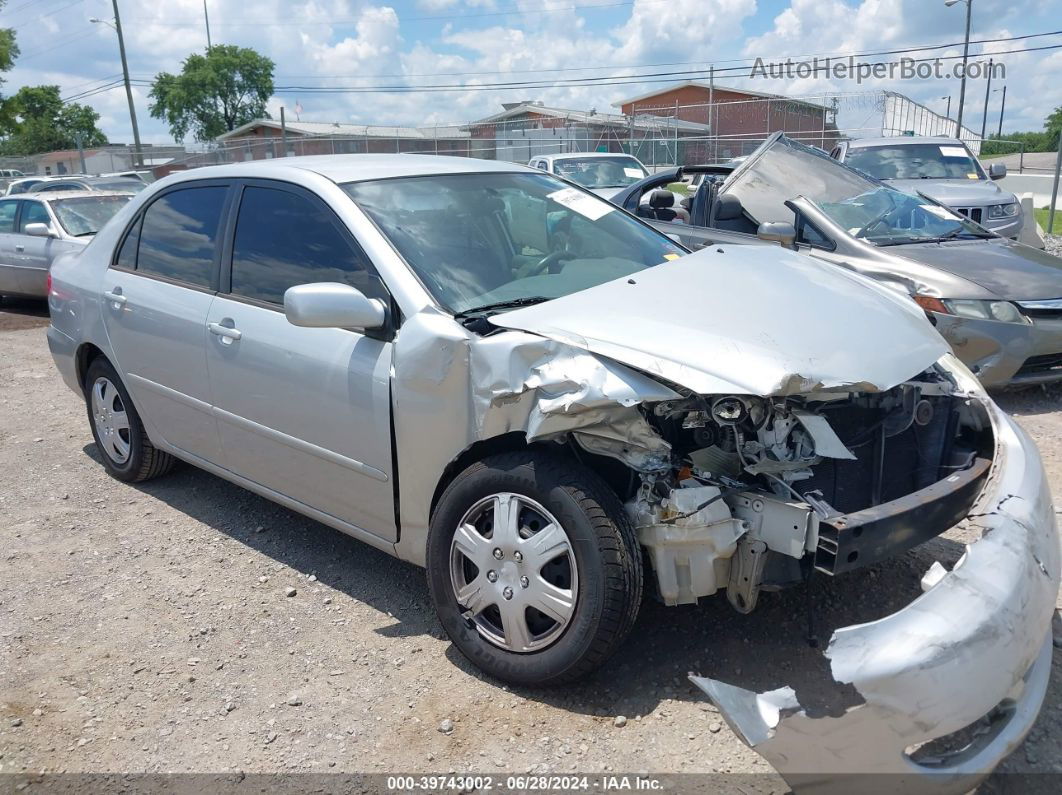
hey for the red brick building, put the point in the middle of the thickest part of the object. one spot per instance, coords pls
(738, 118)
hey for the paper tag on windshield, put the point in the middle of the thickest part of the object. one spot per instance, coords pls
(940, 212)
(972, 176)
(953, 151)
(634, 173)
(582, 203)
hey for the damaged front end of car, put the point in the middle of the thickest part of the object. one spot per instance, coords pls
(756, 450)
(936, 694)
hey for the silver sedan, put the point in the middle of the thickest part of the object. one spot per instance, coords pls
(35, 229)
(502, 377)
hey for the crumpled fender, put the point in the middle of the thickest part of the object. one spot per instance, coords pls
(451, 388)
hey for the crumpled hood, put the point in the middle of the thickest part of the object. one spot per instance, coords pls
(956, 192)
(1011, 270)
(748, 320)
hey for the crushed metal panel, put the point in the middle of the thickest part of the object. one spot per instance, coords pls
(451, 388)
(740, 320)
(977, 642)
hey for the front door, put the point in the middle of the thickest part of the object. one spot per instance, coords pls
(157, 294)
(303, 411)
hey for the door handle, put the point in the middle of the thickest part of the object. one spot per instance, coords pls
(20, 248)
(224, 332)
(117, 299)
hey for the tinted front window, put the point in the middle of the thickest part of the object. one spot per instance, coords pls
(475, 239)
(916, 161)
(85, 216)
(7, 216)
(179, 233)
(33, 213)
(600, 172)
(283, 239)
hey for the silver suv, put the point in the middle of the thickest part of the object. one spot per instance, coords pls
(487, 371)
(943, 169)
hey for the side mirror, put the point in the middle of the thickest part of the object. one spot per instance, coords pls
(38, 230)
(997, 171)
(332, 305)
(778, 232)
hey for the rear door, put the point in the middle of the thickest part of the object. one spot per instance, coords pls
(305, 412)
(156, 298)
(36, 252)
(10, 264)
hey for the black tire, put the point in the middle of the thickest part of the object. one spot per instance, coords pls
(144, 460)
(606, 552)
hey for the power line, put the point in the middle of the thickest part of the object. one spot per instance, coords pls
(56, 45)
(603, 80)
(354, 21)
(705, 64)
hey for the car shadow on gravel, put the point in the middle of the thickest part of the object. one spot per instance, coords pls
(1029, 401)
(22, 313)
(766, 649)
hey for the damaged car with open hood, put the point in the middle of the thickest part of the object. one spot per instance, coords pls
(551, 405)
(997, 302)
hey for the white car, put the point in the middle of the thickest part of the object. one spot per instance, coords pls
(604, 173)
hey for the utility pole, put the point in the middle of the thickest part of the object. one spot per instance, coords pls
(999, 132)
(284, 133)
(988, 94)
(206, 16)
(947, 113)
(80, 152)
(117, 25)
(1054, 187)
(965, 55)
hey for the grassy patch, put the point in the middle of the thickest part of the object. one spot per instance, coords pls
(1041, 218)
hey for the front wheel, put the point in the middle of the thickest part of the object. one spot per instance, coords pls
(533, 567)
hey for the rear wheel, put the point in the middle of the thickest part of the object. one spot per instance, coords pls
(119, 433)
(534, 568)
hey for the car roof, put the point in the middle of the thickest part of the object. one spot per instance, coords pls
(53, 195)
(581, 155)
(353, 168)
(903, 140)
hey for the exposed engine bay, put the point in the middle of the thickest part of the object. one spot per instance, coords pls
(763, 491)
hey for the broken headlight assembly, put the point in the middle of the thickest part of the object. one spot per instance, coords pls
(1000, 311)
(764, 491)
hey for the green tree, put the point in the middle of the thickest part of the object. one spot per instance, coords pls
(42, 123)
(8, 53)
(1053, 125)
(214, 93)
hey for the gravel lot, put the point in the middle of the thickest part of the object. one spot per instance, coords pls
(147, 629)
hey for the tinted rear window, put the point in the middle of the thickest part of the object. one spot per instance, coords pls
(179, 235)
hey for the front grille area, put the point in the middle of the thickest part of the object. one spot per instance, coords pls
(973, 213)
(1036, 365)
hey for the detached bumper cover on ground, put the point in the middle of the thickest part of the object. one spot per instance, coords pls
(976, 644)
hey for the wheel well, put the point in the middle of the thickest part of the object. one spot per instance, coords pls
(85, 356)
(619, 477)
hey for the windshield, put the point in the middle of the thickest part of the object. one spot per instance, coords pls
(600, 172)
(784, 169)
(885, 216)
(86, 215)
(481, 239)
(916, 161)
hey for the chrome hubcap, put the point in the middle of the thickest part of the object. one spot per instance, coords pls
(112, 422)
(513, 572)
